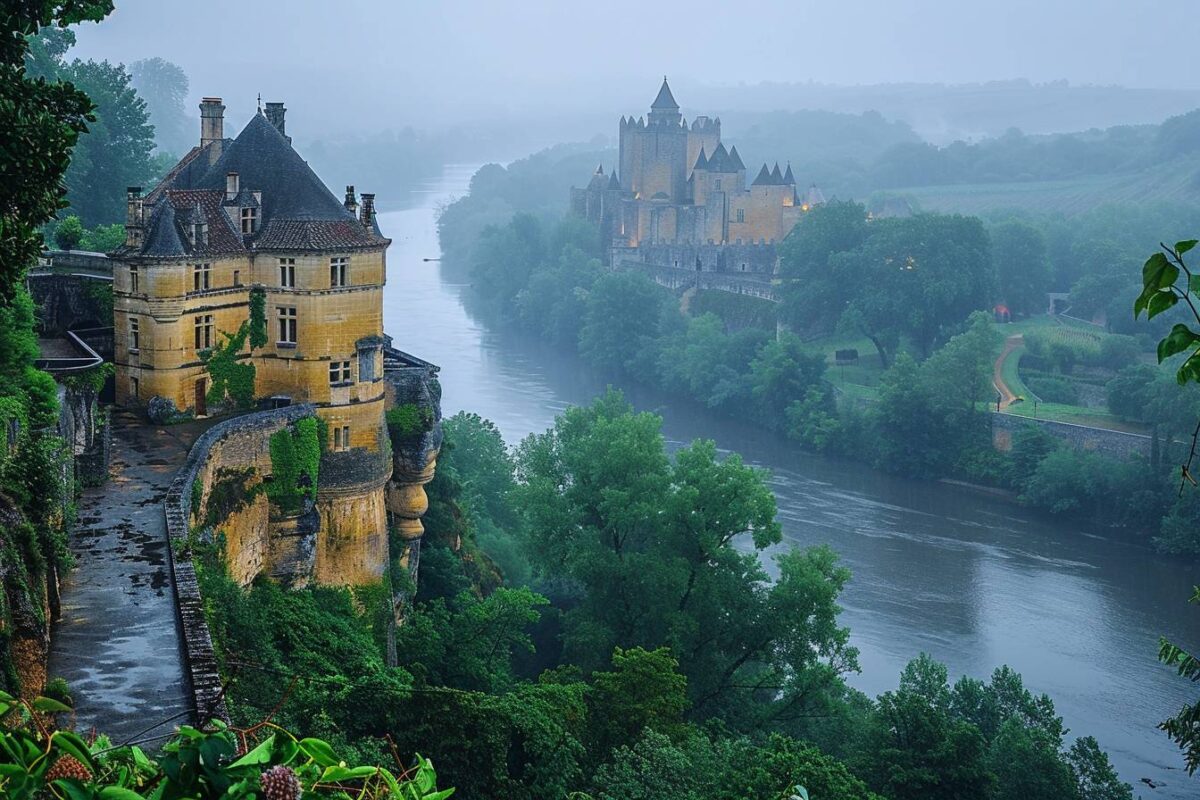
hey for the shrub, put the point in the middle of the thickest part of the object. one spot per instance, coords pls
(1053, 389)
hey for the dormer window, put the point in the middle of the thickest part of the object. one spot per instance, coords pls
(200, 234)
(249, 220)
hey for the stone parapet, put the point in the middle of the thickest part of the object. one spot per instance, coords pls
(204, 677)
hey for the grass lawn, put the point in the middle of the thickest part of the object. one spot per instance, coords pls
(1092, 417)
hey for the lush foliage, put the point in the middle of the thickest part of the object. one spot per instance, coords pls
(37, 760)
(232, 377)
(295, 465)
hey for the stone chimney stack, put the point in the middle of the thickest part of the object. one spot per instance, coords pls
(351, 203)
(232, 186)
(274, 112)
(368, 209)
(212, 126)
(134, 226)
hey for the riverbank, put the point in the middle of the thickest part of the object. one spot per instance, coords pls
(974, 580)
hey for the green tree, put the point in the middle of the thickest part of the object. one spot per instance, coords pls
(917, 277)
(1095, 778)
(644, 689)
(1022, 267)
(115, 152)
(42, 121)
(164, 87)
(69, 233)
(621, 321)
(650, 544)
(814, 292)
(915, 747)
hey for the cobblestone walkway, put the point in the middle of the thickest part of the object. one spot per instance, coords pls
(117, 644)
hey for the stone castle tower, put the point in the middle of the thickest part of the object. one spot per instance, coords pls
(246, 217)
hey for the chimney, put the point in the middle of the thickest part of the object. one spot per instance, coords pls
(133, 216)
(274, 112)
(212, 126)
(368, 209)
(351, 203)
(231, 186)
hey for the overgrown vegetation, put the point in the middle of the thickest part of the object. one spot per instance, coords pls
(295, 465)
(39, 760)
(232, 377)
(587, 621)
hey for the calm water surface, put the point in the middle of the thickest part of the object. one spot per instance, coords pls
(973, 580)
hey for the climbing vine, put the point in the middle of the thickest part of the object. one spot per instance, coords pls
(230, 377)
(295, 465)
(258, 317)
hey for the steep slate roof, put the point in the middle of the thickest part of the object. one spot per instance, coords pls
(736, 159)
(720, 161)
(701, 160)
(665, 100)
(788, 178)
(776, 176)
(297, 210)
(764, 177)
(613, 183)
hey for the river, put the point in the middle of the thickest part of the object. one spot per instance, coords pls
(973, 580)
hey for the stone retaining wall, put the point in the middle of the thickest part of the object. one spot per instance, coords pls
(200, 661)
(1079, 437)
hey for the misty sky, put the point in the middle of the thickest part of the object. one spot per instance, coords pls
(453, 60)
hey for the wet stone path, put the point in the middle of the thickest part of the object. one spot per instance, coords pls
(117, 643)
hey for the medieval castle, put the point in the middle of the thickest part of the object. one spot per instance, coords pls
(680, 198)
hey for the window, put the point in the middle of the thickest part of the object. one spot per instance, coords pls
(203, 328)
(341, 438)
(133, 280)
(249, 220)
(134, 337)
(339, 372)
(133, 387)
(741, 215)
(287, 325)
(339, 272)
(718, 186)
(287, 273)
(201, 277)
(237, 277)
(200, 234)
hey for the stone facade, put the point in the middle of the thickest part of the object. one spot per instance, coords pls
(677, 185)
(236, 218)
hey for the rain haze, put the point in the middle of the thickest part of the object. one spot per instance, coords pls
(529, 64)
(610, 400)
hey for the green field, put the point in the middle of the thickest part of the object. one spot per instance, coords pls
(1174, 181)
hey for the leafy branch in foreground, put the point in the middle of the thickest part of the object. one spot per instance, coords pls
(1166, 281)
(37, 761)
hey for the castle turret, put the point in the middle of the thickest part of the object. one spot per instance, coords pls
(664, 110)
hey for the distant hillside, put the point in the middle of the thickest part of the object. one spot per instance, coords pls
(944, 113)
(1175, 181)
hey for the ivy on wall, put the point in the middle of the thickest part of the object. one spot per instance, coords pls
(258, 317)
(295, 465)
(230, 377)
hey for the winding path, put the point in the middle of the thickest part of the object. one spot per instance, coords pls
(117, 643)
(1007, 395)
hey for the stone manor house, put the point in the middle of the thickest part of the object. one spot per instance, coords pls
(680, 198)
(243, 220)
